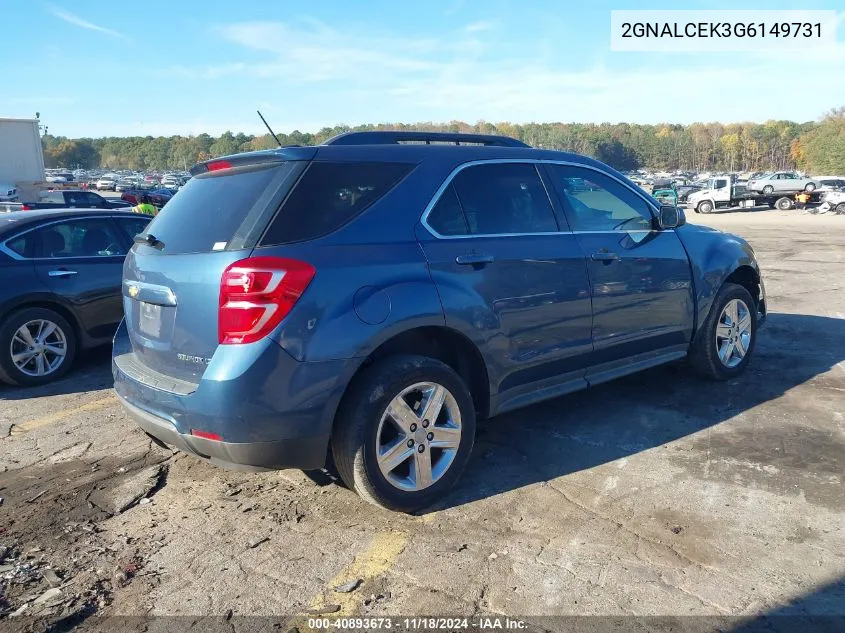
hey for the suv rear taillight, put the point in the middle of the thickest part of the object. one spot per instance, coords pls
(26, 207)
(256, 294)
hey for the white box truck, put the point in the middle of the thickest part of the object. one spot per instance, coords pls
(21, 160)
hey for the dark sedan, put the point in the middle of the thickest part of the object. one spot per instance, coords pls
(60, 276)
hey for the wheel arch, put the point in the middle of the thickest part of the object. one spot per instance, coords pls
(441, 343)
(747, 277)
(699, 202)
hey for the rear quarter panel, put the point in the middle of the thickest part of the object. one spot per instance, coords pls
(361, 296)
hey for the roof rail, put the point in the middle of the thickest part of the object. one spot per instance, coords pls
(396, 137)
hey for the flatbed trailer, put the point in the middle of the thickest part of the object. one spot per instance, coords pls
(722, 194)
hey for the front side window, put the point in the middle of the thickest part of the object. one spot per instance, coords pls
(504, 198)
(79, 238)
(597, 202)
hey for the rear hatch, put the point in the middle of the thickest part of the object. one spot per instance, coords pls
(172, 275)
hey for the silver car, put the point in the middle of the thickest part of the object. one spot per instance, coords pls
(782, 181)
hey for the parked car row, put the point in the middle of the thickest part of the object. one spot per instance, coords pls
(120, 180)
(73, 199)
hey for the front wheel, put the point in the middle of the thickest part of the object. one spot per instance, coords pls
(404, 432)
(725, 342)
(840, 208)
(809, 187)
(37, 346)
(768, 189)
(705, 206)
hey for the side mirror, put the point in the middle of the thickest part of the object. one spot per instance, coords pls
(670, 217)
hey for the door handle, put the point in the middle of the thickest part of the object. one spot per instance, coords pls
(604, 256)
(61, 272)
(474, 259)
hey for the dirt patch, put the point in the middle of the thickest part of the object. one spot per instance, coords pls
(56, 564)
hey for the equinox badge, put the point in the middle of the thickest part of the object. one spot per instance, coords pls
(197, 360)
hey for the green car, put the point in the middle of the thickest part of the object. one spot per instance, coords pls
(664, 192)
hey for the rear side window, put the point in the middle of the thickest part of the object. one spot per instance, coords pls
(447, 217)
(23, 245)
(504, 198)
(80, 238)
(221, 210)
(328, 196)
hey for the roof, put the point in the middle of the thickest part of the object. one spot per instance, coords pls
(394, 137)
(389, 147)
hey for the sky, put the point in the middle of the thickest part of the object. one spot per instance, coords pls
(95, 68)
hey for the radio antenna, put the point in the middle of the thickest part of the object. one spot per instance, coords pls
(272, 133)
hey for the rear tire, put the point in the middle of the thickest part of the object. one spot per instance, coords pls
(714, 353)
(705, 206)
(23, 370)
(365, 434)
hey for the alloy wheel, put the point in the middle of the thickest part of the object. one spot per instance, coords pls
(418, 436)
(38, 348)
(733, 333)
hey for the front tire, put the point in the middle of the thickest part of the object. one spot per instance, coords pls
(37, 346)
(724, 344)
(404, 432)
(809, 187)
(840, 208)
(705, 206)
(768, 190)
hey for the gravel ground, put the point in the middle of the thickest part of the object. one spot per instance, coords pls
(655, 495)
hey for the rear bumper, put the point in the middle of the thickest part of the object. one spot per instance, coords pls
(305, 453)
(270, 410)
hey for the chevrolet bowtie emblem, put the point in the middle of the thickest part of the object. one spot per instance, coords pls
(133, 291)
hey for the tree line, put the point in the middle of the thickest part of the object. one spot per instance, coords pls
(813, 147)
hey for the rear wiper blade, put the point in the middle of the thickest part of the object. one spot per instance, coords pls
(149, 239)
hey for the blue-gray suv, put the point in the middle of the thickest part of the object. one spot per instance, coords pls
(377, 295)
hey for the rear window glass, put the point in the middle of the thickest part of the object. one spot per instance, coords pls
(328, 196)
(221, 210)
